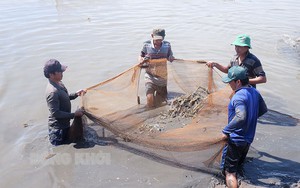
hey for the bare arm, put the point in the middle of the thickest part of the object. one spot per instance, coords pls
(258, 80)
(222, 68)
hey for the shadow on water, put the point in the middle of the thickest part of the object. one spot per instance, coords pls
(173, 95)
(272, 169)
(273, 117)
(91, 138)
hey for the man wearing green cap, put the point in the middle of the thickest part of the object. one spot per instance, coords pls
(245, 59)
(244, 108)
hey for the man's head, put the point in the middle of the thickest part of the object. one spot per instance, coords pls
(242, 40)
(236, 77)
(52, 66)
(158, 34)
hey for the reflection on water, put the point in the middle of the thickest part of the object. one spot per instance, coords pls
(289, 46)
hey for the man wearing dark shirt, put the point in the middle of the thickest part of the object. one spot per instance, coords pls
(59, 104)
(244, 59)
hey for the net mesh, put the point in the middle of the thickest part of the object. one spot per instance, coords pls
(184, 131)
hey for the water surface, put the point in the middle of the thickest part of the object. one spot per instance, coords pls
(98, 39)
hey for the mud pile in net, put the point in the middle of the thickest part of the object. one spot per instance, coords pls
(185, 131)
(188, 105)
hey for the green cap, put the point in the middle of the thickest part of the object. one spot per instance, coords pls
(242, 40)
(235, 73)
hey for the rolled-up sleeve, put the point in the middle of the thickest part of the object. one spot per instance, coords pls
(239, 118)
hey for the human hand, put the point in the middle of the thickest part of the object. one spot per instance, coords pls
(211, 64)
(80, 92)
(78, 113)
(144, 61)
(224, 136)
(171, 58)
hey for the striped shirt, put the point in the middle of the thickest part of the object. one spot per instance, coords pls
(251, 63)
(165, 51)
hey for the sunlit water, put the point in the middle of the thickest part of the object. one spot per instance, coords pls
(98, 39)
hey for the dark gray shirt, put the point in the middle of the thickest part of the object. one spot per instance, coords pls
(59, 104)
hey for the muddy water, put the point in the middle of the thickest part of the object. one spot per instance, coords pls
(98, 39)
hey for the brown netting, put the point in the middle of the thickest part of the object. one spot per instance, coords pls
(185, 131)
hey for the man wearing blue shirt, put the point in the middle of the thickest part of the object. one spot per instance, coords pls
(244, 108)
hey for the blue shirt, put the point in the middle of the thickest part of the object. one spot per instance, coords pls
(243, 111)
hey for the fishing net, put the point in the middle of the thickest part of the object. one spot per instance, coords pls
(183, 131)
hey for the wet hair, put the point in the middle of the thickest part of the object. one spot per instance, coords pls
(245, 81)
(51, 67)
(47, 73)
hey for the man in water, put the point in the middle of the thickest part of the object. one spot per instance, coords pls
(58, 100)
(156, 72)
(244, 108)
(245, 59)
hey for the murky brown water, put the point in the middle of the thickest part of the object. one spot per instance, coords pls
(98, 39)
